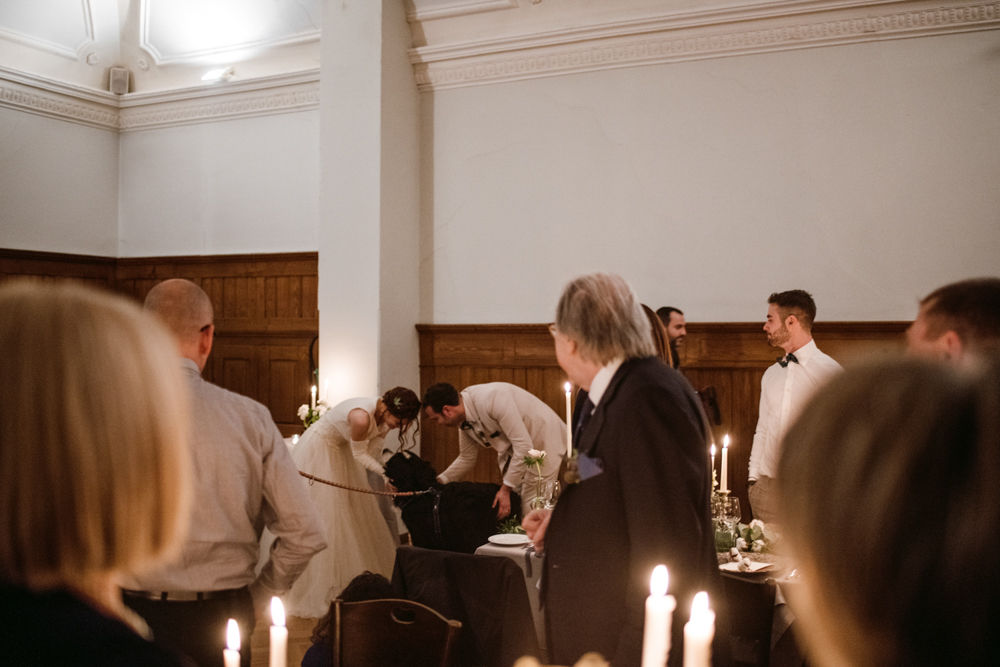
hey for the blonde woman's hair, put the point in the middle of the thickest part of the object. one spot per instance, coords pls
(602, 314)
(94, 469)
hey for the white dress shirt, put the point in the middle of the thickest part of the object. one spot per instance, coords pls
(783, 393)
(244, 479)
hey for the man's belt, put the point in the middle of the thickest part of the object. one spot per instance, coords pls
(185, 596)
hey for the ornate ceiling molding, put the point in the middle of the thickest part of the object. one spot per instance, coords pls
(140, 111)
(762, 28)
(460, 8)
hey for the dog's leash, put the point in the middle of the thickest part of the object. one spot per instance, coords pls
(313, 478)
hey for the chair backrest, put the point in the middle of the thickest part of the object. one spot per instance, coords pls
(750, 605)
(386, 633)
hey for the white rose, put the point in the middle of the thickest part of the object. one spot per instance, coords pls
(303, 412)
(321, 409)
(536, 454)
(757, 522)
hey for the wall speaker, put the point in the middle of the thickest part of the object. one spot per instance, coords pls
(119, 80)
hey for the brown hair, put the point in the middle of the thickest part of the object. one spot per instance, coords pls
(661, 341)
(404, 404)
(94, 475)
(970, 308)
(888, 487)
(795, 302)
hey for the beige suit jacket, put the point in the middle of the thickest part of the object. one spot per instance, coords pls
(509, 420)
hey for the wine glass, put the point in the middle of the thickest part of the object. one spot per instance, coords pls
(552, 490)
(729, 513)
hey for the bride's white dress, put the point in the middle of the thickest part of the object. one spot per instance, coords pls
(356, 533)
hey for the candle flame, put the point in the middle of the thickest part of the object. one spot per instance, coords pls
(277, 612)
(568, 387)
(660, 580)
(713, 450)
(295, 439)
(700, 603)
(233, 635)
(725, 441)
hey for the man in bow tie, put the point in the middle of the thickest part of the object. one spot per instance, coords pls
(506, 418)
(784, 390)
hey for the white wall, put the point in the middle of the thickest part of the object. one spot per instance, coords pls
(58, 185)
(236, 186)
(867, 174)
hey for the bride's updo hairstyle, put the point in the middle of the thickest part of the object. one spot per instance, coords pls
(403, 404)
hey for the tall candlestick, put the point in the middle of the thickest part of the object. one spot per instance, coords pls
(724, 476)
(231, 655)
(712, 470)
(698, 633)
(312, 403)
(279, 635)
(569, 421)
(659, 617)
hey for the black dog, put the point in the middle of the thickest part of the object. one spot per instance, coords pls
(453, 517)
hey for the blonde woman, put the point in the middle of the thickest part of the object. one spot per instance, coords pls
(94, 479)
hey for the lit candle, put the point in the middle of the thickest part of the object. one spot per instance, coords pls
(279, 635)
(231, 655)
(326, 389)
(698, 633)
(569, 421)
(724, 475)
(712, 449)
(659, 615)
(295, 439)
(313, 403)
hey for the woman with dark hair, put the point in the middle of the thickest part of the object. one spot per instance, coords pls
(345, 446)
(364, 587)
(661, 341)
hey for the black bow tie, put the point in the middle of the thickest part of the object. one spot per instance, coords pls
(466, 426)
(788, 358)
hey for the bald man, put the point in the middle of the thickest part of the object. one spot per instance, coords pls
(244, 479)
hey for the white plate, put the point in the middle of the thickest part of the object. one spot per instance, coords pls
(754, 567)
(509, 539)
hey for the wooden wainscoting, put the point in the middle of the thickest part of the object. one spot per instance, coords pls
(732, 357)
(266, 313)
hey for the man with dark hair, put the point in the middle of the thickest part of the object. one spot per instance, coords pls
(784, 390)
(958, 321)
(673, 322)
(504, 417)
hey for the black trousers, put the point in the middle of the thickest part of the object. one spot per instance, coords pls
(198, 628)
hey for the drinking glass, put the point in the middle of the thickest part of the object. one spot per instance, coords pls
(552, 490)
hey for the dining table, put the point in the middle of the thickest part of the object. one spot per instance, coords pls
(520, 549)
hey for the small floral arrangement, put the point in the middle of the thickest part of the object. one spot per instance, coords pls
(756, 537)
(512, 526)
(310, 416)
(534, 459)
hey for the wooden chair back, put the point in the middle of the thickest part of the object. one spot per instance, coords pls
(750, 605)
(386, 633)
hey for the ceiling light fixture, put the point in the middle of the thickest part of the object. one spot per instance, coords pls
(224, 74)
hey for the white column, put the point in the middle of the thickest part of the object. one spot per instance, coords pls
(368, 229)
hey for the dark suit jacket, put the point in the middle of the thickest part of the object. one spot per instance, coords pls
(649, 506)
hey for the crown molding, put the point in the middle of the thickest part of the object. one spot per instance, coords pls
(776, 26)
(298, 91)
(459, 9)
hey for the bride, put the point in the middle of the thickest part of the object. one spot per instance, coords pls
(345, 446)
